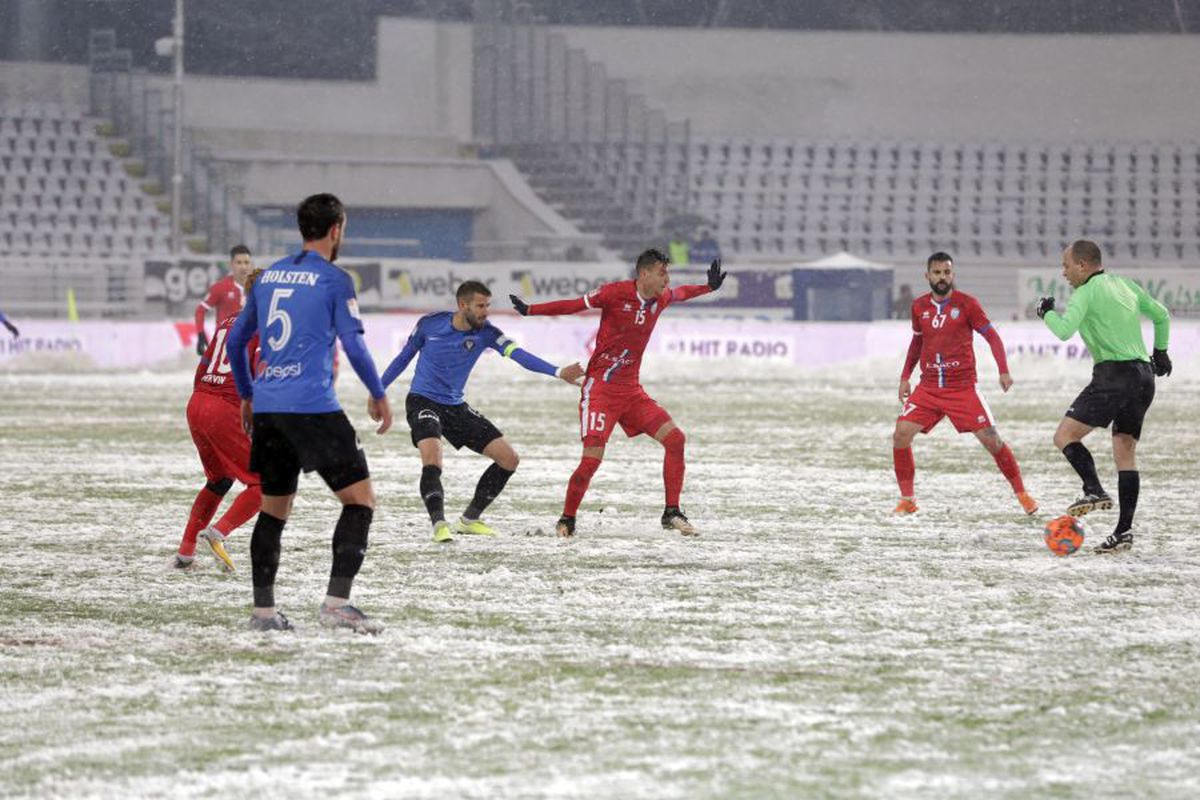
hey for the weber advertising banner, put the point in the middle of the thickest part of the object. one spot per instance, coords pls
(429, 285)
(1177, 289)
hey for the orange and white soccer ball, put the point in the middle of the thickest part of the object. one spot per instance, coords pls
(1065, 535)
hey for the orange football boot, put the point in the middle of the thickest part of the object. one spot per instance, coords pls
(1028, 503)
(905, 506)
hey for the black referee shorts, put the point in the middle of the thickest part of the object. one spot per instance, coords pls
(1120, 394)
(462, 425)
(284, 444)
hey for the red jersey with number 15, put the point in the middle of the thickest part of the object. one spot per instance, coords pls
(213, 374)
(626, 322)
(947, 330)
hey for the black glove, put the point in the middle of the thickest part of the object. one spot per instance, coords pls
(201, 343)
(12, 329)
(1161, 362)
(715, 276)
(1044, 305)
(520, 305)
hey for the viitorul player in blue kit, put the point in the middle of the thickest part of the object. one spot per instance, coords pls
(450, 343)
(298, 306)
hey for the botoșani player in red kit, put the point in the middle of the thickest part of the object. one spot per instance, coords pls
(612, 392)
(944, 324)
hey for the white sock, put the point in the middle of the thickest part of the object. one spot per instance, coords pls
(335, 602)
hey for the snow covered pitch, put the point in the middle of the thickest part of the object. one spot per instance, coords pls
(806, 644)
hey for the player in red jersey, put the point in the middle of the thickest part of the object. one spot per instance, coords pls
(944, 324)
(215, 421)
(226, 295)
(612, 393)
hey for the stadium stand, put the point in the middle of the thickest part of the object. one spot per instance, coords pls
(63, 193)
(778, 198)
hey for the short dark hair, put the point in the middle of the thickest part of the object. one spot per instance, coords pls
(318, 213)
(1086, 252)
(238, 250)
(468, 289)
(939, 256)
(650, 257)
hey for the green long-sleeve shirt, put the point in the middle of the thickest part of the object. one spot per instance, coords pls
(1107, 311)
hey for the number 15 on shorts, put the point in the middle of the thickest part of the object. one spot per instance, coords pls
(594, 423)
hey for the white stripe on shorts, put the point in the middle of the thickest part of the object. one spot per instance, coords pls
(583, 407)
(986, 409)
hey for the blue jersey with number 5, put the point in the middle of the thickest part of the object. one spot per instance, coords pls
(299, 306)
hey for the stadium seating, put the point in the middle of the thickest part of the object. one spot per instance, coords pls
(62, 193)
(790, 198)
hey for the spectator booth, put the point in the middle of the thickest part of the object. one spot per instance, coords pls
(841, 288)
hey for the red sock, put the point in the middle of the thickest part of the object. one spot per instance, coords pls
(578, 485)
(203, 508)
(906, 468)
(673, 465)
(1007, 463)
(244, 506)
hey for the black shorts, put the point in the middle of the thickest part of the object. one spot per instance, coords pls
(284, 444)
(462, 425)
(1120, 393)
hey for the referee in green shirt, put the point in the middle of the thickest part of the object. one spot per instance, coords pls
(1107, 312)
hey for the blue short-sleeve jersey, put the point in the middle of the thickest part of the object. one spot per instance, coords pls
(299, 306)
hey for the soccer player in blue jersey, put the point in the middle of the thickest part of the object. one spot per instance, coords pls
(450, 343)
(298, 306)
(11, 328)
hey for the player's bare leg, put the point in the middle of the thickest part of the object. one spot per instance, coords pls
(1128, 487)
(265, 545)
(989, 437)
(673, 441)
(431, 487)
(1069, 439)
(577, 487)
(491, 483)
(904, 465)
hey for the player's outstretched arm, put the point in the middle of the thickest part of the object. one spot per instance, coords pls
(509, 349)
(716, 277)
(394, 370)
(553, 308)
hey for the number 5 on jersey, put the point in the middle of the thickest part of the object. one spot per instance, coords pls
(277, 314)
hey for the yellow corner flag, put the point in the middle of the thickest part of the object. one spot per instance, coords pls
(72, 308)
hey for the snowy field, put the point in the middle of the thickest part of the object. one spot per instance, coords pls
(806, 645)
